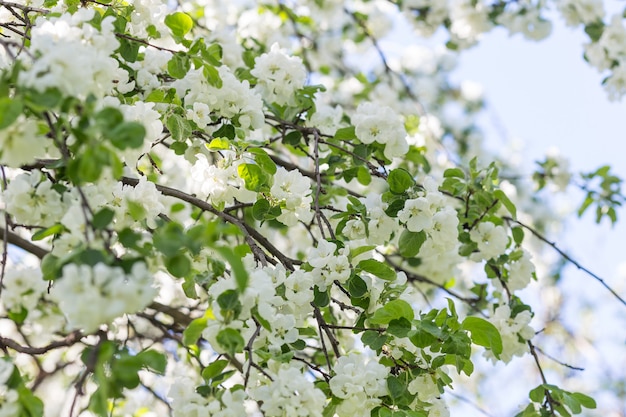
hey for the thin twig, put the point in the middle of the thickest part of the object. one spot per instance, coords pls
(567, 257)
(68, 340)
(552, 358)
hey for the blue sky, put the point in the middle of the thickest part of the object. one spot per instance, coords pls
(545, 94)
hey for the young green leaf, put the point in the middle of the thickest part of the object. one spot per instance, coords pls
(484, 333)
(179, 23)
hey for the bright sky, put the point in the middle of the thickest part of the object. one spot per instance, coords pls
(545, 94)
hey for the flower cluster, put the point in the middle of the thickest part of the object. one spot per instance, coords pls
(235, 99)
(219, 183)
(9, 398)
(73, 55)
(375, 123)
(491, 239)
(280, 76)
(429, 212)
(303, 242)
(31, 199)
(23, 289)
(290, 394)
(514, 330)
(328, 267)
(21, 143)
(91, 296)
(293, 191)
(359, 384)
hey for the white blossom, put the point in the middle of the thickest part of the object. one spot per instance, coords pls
(280, 76)
(290, 394)
(21, 142)
(380, 124)
(72, 55)
(511, 329)
(91, 296)
(492, 240)
(293, 190)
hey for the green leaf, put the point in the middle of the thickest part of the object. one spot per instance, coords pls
(410, 243)
(179, 148)
(231, 340)
(213, 54)
(178, 265)
(320, 298)
(178, 127)
(10, 110)
(169, 239)
(45, 101)
(518, 235)
(102, 218)
(377, 268)
(193, 332)
(363, 175)
(263, 160)
(91, 257)
(44, 233)
(360, 250)
(229, 303)
(18, 316)
(397, 386)
(225, 131)
(375, 340)
(454, 173)
(153, 360)
(217, 380)
(356, 286)
(462, 364)
(50, 267)
(500, 195)
(32, 406)
(484, 334)
(584, 400)
(128, 49)
(127, 135)
(292, 138)
(595, 30)
(571, 403)
(214, 369)
(400, 180)
(179, 23)
(260, 208)
(212, 75)
(252, 175)
(179, 65)
(219, 144)
(457, 343)
(236, 266)
(537, 394)
(393, 310)
(399, 327)
(346, 133)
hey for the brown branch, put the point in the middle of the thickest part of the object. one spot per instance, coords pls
(14, 239)
(552, 358)
(361, 329)
(567, 257)
(549, 400)
(24, 8)
(244, 227)
(143, 42)
(178, 316)
(68, 340)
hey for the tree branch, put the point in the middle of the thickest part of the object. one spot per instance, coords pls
(567, 257)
